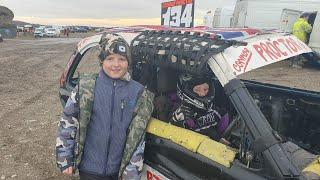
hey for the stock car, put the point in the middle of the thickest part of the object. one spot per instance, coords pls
(274, 132)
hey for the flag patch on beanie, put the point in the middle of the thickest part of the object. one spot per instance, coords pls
(122, 48)
(113, 44)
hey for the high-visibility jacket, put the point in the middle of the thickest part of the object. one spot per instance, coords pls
(300, 29)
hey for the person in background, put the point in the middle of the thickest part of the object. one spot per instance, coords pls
(300, 29)
(208, 19)
(68, 31)
(102, 127)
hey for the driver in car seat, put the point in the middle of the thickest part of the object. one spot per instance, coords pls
(196, 109)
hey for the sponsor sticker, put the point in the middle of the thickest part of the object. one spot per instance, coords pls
(148, 173)
(263, 52)
(177, 13)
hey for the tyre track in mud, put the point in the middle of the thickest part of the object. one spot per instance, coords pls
(28, 71)
(27, 129)
(41, 65)
(29, 101)
(11, 60)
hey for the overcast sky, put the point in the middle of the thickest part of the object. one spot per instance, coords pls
(99, 12)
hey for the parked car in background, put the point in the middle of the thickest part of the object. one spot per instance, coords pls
(52, 32)
(1, 40)
(19, 28)
(81, 30)
(38, 32)
(27, 28)
(99, 29)
(71, 29)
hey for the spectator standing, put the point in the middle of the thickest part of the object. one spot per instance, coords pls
(300, 29)
(102, 128)
(68, 30)
(208, 19)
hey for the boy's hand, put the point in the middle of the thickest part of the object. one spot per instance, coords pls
(68, 171)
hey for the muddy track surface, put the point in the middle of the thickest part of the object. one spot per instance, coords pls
(30, 107)
(280, 73)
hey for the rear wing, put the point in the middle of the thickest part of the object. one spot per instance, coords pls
(263, 50)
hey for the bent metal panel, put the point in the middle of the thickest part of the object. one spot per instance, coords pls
(263, 52)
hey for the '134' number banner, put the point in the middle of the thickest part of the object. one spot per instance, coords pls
(177, 13)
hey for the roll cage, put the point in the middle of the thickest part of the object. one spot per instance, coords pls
(190, 53)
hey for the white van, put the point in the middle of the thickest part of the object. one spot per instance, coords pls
(279, 15)
(314, 41)
(289, 17)
(265, 14)
(222, 17)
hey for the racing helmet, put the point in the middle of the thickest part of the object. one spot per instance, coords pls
(185, 91)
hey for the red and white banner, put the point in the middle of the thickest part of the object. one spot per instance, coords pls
(259, 53)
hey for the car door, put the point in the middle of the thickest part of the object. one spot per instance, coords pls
(87, 62)
(176, 162)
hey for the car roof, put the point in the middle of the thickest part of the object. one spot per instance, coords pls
(263, 48)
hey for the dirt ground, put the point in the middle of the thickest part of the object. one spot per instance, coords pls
(30, 108)
(281, 74)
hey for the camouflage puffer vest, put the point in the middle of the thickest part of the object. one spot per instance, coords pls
(136, 129)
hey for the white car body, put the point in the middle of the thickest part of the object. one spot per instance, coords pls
(39, 32)
(239, 59)
(228, 64)
(52, 32)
